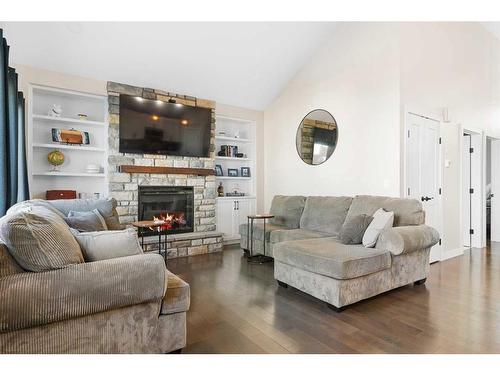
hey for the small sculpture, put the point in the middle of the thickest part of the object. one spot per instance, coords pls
(55, 158)
(56, 110)
(220, 190)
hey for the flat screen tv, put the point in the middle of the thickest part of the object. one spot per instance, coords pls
(157, 127)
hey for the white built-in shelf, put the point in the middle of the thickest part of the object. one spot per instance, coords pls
(68, 147)
(240, 197)
(72, 174)
(69, 174)
(231, 158)
(231, 178)
(68, 120)
(232, 139)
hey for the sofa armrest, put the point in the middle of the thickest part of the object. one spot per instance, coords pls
(405, 239)
(31, 299)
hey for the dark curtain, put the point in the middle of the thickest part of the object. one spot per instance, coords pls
(13, 171)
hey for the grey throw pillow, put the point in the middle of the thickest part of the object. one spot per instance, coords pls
(39, 239)
(354, 228)
(91, 221)
(108, 244)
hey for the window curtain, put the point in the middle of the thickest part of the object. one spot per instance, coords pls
(13, 170)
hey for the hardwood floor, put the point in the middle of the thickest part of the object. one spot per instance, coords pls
(237, 307)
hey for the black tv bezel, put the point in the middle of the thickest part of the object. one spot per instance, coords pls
(160, 152)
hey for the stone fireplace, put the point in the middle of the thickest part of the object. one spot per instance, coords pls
(172, 204)
(133, 191)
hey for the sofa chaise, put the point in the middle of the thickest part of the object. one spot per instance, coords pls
(303, 238)
(131, 304)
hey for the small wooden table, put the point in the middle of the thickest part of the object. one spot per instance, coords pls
(259, 258)
(144, 225)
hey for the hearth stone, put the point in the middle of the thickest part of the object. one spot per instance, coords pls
(187, 244)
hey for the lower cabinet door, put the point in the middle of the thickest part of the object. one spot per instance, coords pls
(231, 214)
(225, 218)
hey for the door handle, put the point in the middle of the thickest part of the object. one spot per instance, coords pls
(238, 205)
(234, 205)
(425, 199)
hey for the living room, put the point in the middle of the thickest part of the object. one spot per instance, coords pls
(208, 198)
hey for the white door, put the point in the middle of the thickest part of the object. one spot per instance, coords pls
(244, 208)
(422, 170)
(495, 191)
(225, 218)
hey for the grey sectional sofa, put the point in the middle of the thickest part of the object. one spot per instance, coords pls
(303, 239)
(131, 304)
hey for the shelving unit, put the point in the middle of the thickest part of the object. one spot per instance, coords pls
(233, 210)
(72, 175)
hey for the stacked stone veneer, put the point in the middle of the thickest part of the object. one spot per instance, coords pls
(307, 136)
(124, 186)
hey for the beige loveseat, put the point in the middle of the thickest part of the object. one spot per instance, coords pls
(131, 304)
(304, 240)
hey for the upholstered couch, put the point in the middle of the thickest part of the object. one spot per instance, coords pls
(131, 304)
(304, 240)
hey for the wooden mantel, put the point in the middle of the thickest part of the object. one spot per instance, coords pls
(166, 170)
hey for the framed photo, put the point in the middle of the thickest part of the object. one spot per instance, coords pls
(232, 172)
(71, 136)
(218, 170)
(245, 171)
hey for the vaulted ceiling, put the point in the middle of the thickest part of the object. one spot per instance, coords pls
(243, 64)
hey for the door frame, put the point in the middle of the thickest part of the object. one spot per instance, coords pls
(482, 187)
(494, 139)
(429, 114)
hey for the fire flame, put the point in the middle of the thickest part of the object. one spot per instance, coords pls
(170, 220)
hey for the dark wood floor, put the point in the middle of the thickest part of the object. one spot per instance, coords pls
(237, 307)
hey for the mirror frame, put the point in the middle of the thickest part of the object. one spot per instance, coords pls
(336, 143)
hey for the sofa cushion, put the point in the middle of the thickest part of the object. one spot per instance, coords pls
(106, 206)
(406, 211)
(108, 244)
(328, 257)
(8, 265)
(86, 221)
(177, 298)
(287, 210)
(295, 234)
(353, 229)
(39, 239)
(381, 220)
(325, 214)
(33, 299)
(258, 230)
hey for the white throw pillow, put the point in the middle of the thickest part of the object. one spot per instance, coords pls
(108, 244)
(381, 220)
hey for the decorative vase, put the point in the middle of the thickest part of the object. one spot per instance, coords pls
(55, 158)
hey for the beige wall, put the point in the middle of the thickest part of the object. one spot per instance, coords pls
(32, 75)
(356, 78)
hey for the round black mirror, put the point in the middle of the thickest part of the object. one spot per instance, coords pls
(317, 137)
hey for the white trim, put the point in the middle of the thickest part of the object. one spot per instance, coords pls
(452, 253)
(482, 182)
(68, 92)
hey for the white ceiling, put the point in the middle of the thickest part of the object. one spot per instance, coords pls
(243, 64)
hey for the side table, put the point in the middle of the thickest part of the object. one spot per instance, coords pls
(259, 258)
(143, 226)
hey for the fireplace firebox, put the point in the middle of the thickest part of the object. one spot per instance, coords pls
(172, 204)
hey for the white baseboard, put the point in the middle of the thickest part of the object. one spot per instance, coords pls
(448, 254)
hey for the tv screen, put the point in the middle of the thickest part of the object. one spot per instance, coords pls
(157, 127)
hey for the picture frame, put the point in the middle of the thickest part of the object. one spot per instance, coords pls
(232, 172)
(71, 136)
(245, 172)
(218, 170)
